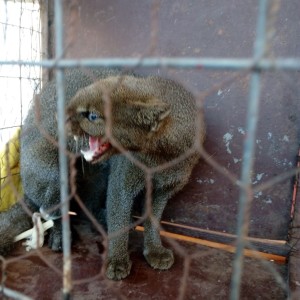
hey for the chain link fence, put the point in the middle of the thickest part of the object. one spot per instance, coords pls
(195, 246)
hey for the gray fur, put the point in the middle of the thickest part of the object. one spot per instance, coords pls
(39, 164)
(154, 119)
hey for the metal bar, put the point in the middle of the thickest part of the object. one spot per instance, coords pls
(63, 164)
(44, 37)
(246, 194)
(171, 62)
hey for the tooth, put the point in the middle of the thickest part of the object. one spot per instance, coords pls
(88, 155)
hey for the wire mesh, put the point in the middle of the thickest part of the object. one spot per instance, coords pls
(241, 244)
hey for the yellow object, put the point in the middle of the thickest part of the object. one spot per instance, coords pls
(11, 187)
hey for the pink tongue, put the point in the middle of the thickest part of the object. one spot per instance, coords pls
(97, 148)
(94, 143)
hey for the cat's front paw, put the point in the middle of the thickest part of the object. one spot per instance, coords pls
(55, 240)
(117, 269)
(159, 257)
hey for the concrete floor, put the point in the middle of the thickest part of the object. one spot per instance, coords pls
(207, 277)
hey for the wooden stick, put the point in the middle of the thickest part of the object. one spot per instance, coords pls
(224, 234)
(229, 248)
(276, 247)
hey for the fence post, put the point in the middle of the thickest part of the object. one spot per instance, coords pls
(63, 163)
(246, 193)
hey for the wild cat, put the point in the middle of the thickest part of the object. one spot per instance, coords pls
(154, 119)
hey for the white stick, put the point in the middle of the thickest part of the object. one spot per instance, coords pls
(29, 232)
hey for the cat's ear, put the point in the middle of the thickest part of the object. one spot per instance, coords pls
(150, 115)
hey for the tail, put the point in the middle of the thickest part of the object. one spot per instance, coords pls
(12, 222)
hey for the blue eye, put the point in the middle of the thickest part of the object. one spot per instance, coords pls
(92, 116)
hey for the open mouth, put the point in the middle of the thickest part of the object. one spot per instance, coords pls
(97, 148)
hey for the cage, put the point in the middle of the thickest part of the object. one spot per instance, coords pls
(234, 226)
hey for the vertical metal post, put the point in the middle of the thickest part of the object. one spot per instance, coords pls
(63, 164)
(245, 197)
(44, 27)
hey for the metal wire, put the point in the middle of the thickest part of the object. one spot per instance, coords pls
(63, 163)
(233, 64)
(256, 65)
(246, 194)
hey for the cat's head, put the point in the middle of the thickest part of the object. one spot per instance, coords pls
(115, 111)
